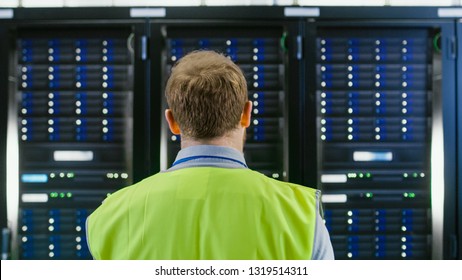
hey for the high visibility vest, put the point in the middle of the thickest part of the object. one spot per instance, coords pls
(205, 213)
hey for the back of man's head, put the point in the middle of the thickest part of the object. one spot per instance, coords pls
(207, 93)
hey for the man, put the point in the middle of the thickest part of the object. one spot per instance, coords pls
(209, 205)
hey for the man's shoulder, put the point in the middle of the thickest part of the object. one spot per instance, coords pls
(286, 184)
(255, 176)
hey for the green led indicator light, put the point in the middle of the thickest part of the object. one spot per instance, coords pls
(69, 195)
(415, 175)
(405, 175)
(368, 175)
(351, 175)
(361, 175)
(62, 195)
(409, 195)
(70, 175)
(54, 195)
(282, 42)
(369, 195)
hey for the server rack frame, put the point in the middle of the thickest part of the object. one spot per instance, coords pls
(292, 66)
(3, 136)
(459, 140)
(237, 15)
(139, 162)
(443, 179)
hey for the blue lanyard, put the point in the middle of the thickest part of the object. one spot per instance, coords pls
(203, 156)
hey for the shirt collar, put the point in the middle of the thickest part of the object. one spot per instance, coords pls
(209, 155)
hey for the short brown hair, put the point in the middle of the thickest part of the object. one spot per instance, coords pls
(207, 93)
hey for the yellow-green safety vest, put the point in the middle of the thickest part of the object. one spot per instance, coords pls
(205, 213)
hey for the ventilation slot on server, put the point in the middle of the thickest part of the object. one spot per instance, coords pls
(74, 97)
(374, 94)
(258, 53)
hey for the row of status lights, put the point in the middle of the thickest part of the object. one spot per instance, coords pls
(359, 175)
(71, 175)
(61, 195)
(406, 195)
(369, 175)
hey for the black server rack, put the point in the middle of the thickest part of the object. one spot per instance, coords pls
(74, 126)
(459, 137)
(74, 103)
(3, 135)
(257, 50)
(377, 98)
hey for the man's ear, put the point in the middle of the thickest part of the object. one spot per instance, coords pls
(172, 124)
(246, 114)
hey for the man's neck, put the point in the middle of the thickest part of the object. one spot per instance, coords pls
(233, 139)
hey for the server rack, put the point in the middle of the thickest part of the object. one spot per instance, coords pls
(3, 134)
(71, 124)
(74, 126)
(381, 200)
(459, 139)
(218, 26)
(256, 48)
